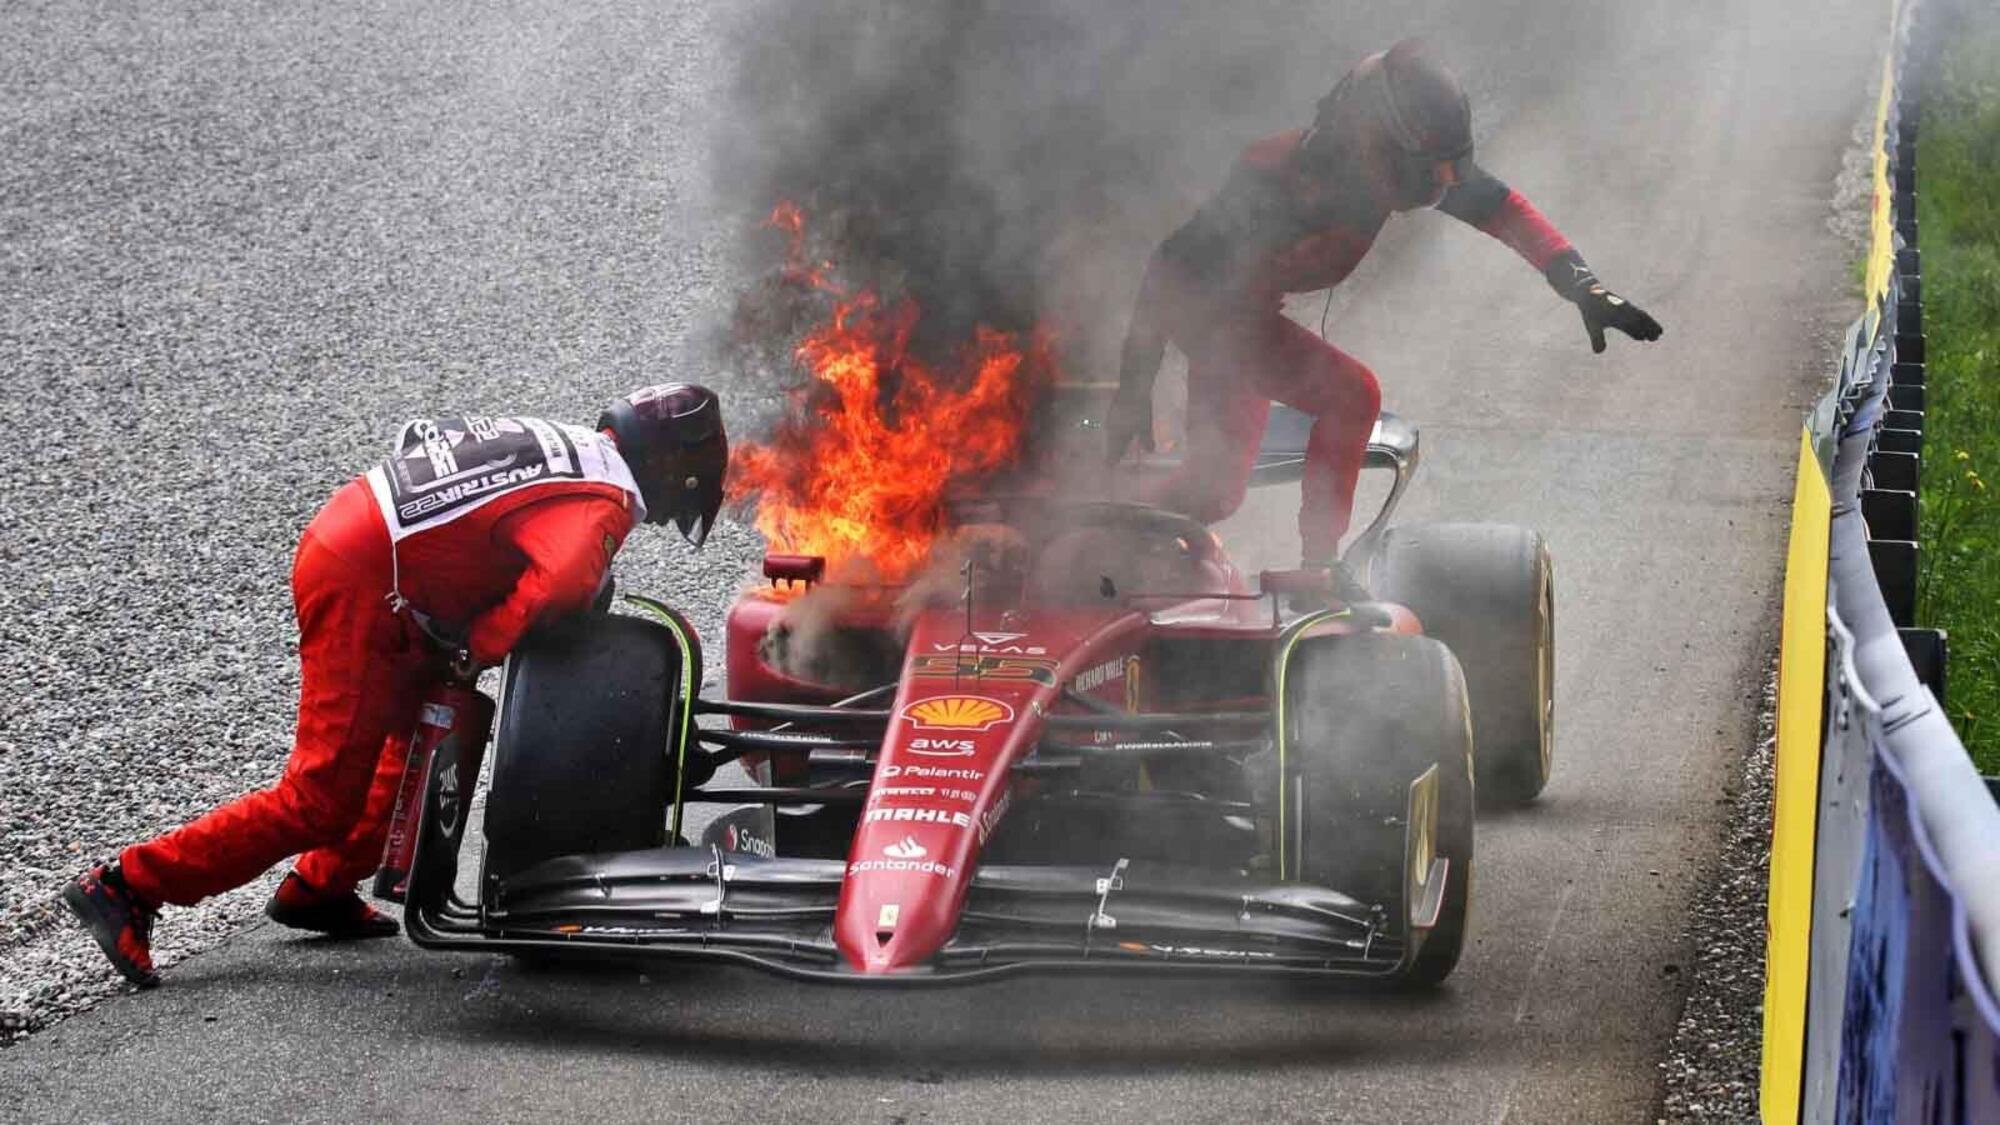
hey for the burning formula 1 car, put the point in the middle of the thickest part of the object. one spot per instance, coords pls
(1093, 744)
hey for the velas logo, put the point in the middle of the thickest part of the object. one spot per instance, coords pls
(976, 645)
(958, 712)
(908, 848)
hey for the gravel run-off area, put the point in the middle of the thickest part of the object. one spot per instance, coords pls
(215, 307)
(1712, 1068)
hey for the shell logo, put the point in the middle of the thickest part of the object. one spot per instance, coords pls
(958, 712)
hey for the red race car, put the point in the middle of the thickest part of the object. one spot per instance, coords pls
(1092, 744)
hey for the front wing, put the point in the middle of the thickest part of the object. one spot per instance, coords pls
(777, 915)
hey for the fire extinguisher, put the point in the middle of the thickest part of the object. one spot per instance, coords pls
(452, 727)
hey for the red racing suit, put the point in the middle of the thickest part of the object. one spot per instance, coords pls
(486, 571)
(1216, 289)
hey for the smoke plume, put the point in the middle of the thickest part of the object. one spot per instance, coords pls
(1006, 164)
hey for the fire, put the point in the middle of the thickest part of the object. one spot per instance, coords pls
(870, 445)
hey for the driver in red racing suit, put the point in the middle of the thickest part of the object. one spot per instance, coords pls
(1297, 214)
(474, 530)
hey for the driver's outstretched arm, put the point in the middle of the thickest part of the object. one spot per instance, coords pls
(1483, 202)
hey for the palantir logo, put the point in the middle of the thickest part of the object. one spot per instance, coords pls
(907, 849)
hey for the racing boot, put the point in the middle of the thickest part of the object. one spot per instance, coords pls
(345, 916)
(118, 918)
(1346, 589)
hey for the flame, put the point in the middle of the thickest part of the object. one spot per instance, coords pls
(788, 218)
(869, 447)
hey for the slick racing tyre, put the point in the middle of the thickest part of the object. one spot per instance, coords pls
(587, 751)
(1374, 735)
(1488, 592)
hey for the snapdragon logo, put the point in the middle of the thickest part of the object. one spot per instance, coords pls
(736, 839)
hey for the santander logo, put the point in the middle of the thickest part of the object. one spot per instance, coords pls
(908, 848)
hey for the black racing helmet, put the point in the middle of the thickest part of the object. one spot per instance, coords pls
(671, 436)
(1421, 106)
(1405, 111)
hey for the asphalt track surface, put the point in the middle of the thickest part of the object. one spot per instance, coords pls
(1691, 155)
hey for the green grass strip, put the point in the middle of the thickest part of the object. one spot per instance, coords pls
(1958, 215)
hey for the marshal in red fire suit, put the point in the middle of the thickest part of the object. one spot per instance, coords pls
(487, 575)
(1216, 290)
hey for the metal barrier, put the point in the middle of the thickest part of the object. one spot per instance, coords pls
(1883, 963)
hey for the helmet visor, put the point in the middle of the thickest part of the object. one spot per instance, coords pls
(692, 482)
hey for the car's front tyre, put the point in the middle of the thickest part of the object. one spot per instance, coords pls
(1375, 777)
(587, 753)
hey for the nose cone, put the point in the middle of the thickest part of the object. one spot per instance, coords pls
(905, 882)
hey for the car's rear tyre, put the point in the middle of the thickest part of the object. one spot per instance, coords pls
(1488, 592)
(587, 748)
(1364, 717)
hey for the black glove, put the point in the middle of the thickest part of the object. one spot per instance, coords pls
(1129, 418)
(1601, 308)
